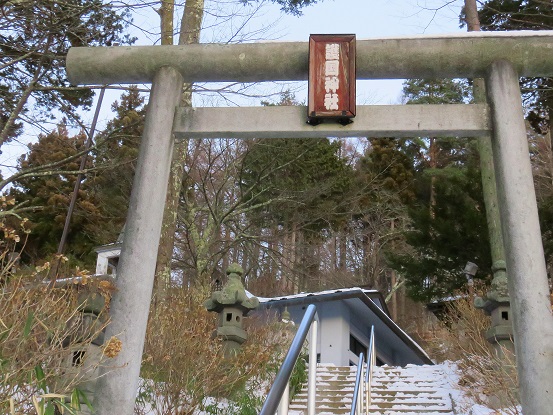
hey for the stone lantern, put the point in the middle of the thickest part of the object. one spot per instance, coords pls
(82, 363)
(496, 303)
(232, 303)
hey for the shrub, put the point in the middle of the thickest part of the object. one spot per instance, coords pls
(486, 377)
(184, 370)
(42, 332)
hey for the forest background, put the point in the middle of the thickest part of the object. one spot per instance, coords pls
(399, 215)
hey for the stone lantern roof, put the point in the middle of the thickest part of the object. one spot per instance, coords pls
(233, 294)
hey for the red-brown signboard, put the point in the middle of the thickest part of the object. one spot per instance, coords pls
(331, 78)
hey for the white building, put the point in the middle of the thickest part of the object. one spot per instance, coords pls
(345, 318)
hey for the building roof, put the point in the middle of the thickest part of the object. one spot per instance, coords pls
(330, 295)
(361, 301)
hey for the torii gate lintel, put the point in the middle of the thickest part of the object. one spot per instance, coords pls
(451, 120)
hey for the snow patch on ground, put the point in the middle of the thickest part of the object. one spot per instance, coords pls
(462, 403)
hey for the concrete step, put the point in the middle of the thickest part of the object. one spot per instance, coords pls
(412, 404)
(375, 411)
(413, 390)
(340, 399)
(407, 397)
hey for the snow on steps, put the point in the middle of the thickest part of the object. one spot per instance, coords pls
(413, 390)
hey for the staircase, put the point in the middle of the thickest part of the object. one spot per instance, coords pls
(413, 390)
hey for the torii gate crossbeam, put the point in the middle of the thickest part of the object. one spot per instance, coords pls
(501, 57)
(451, 120)
(462, 56)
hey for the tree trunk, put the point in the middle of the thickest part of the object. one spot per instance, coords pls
(189, 33)
(366, 261)
(334, 253)
(550, 142)
(343, 246)
(166, 15)
(393, 278)
(223, 247)
(471, 16)
(289, 252)
(254, 258)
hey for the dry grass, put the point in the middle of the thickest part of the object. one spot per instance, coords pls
(485, 376)
(41, 329)
(47, 360)
(183, 364)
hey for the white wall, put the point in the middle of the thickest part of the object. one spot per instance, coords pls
(334, 338)
(103, 260)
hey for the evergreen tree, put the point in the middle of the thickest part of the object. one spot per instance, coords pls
(104, 194)
(388, 164)
(448, 215)
(300, 188)
(384, 185)
(304, 179)
(34, 39)
(115, 161)
(51, 192)
(446, 235)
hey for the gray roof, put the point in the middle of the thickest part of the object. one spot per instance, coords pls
(362, 301)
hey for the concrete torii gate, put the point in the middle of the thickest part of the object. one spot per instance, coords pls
(499, 57)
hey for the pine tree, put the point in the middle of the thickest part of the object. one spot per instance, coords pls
(384, 186)
(51, 192)
(304, 179)
(103, 198)
(34, 39)
(115, 162)
(448, 215)
(500, 15)
(446, 235)
(301, 185)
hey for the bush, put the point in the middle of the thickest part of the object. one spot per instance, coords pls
(184, 370)
(42, 332)
(486, 377)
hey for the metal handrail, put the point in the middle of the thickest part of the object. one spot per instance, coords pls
(358, 385)
(283, 376)
(363, 388)
(369, 374)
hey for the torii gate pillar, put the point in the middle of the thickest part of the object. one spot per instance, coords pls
(116, 388)
(528, 288)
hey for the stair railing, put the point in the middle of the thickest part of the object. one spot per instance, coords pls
(360, 406)
(369, 374)
(357, 401)
(280, 385)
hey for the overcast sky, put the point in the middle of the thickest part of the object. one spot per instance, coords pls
(375, 18)
(372, 19)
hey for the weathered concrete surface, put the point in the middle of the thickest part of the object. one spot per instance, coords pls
(117, 385)
(489, 187)
(376, 121)
(528, 286)
(458, 56)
